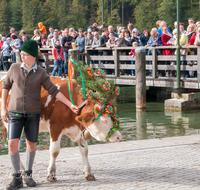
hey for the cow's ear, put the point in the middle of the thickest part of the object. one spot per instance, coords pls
(86, 118)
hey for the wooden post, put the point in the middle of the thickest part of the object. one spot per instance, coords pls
(116, 62)
(74, 54)
(154, 63)
(87, 59)
(140, 69)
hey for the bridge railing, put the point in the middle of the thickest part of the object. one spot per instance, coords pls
(155, 62)
(119, 61)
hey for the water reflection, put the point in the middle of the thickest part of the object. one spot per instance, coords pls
(141, 125)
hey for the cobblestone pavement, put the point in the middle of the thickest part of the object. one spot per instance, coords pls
(171, 163)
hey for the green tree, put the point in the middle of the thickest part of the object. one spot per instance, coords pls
(4, 17)
(145, 15)
(77, 15)
(16, 12)
(167, 12)
(31, 15)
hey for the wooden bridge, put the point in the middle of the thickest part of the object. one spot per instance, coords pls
(154, 59)
(118, 62)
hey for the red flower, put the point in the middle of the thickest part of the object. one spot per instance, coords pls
(101, 72)
(116, 117)
(90, 72)
(117, 91)
(99, 99)
(98, 109)
(106, 85)
(90, 94)
(109, 109)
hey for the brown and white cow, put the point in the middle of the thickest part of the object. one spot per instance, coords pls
(58, 119)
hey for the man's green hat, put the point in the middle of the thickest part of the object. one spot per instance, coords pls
(31, 47)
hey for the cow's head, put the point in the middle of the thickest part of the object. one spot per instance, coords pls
(100, 128)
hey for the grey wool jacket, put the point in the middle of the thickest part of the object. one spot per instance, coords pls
(26, 88)
(96, 42)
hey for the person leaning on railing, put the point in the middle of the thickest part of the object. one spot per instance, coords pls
(183, 40)
(88, 44)
(194, 40)
(104, 39)
(165, 38)
(95, 44)
(80, 43)
(112, 42)
(125, 42)
(154, 40)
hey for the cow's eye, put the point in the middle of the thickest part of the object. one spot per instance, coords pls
(105, 121)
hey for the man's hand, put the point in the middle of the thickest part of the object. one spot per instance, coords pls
(74, 109)
(4, 115)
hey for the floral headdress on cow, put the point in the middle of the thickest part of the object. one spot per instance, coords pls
(94, 86)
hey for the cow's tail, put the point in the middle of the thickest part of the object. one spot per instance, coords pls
(4, 131)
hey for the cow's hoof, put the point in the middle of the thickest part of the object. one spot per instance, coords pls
(90, 178)
(51, 179)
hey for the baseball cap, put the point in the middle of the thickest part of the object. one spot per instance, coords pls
(22, 32)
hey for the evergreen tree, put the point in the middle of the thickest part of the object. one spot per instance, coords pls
(77, 15)
(16, 12)
(145, 15)
(4, 17)
(167, 12)
(31, 15)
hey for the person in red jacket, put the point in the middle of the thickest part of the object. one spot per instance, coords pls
(165, 38)
(58, 57)
(1, 41)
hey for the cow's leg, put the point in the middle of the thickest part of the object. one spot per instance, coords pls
(54, 151)
(83, 146)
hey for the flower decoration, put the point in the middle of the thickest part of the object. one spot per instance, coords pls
(90, 94)
(114, 108)
(116, 117)
(98, 109)
(111, 101)
(117, 91)
(101, 72)
(100, 100)
(109, 109)
(90, 72)
(106, 85)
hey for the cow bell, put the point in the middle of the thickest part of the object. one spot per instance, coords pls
(87, 135)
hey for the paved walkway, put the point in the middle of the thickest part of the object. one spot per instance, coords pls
(157, 164)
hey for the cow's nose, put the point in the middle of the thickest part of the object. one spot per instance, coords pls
(119, 138)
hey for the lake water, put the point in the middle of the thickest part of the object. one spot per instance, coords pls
(154, 123)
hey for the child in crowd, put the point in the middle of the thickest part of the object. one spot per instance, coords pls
(58, 57)
(44, 41)
(132, 53)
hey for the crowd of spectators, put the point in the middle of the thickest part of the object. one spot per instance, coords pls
(97, 36)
